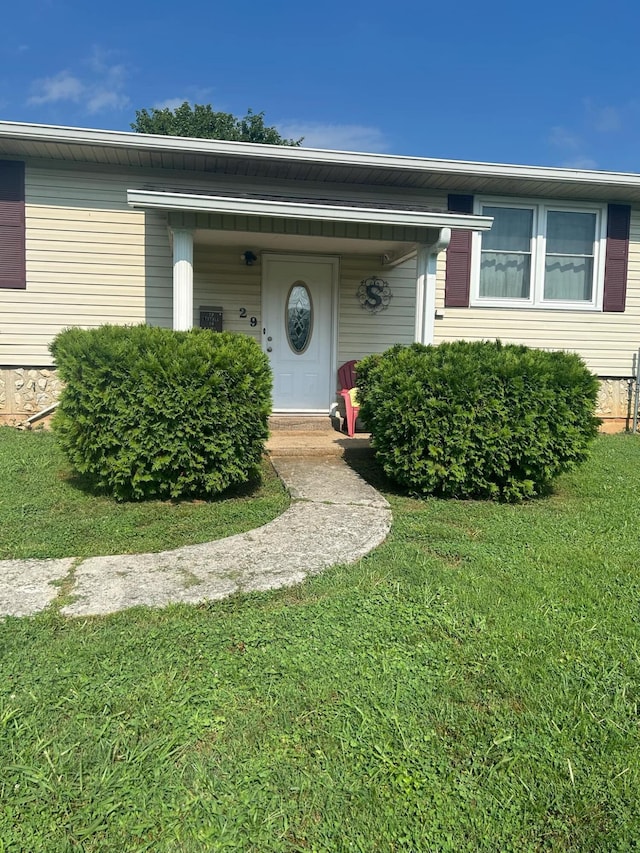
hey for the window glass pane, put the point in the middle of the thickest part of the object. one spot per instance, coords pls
(570, 233)
(299, 320)
(568, 278)
(511, 229)
(505, 276)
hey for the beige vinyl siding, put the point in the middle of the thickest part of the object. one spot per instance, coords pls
(360, 332)
(91, 259)
(88, 259)
(220, 278)
(606, 341)
(80, 176)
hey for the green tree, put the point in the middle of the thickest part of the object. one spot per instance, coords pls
(203, 122)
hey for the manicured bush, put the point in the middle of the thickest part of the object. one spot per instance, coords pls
(152, 413)
(477, 420)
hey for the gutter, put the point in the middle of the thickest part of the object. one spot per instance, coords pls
(300, 210)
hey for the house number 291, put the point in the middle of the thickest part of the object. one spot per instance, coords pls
(253, 321)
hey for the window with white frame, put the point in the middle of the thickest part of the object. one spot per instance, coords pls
(540, 255)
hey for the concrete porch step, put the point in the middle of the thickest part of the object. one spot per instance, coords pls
(301, 423)
(313, 442)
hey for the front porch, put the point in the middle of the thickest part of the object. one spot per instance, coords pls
(291, 274)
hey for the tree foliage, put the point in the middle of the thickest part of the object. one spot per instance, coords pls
(203, 122)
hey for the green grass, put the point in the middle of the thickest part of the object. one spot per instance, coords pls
(47, 511)
(472, 685)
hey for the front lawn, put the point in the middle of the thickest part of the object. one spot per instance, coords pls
(47, 511)
(472, 685)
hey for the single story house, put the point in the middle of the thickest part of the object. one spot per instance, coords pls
(322, 256)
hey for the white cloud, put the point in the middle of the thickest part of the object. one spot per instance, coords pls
(170, 104)
(198, 95)
(580, 163)
(560, 137)
(101, 99)
(607, 119)
(62, 87)
(573, 147)
(100, 90)
(97, 60)
(340, 137)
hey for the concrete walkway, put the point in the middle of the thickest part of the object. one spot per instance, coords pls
(334, 517)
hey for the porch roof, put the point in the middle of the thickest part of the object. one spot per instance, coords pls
(327, 210)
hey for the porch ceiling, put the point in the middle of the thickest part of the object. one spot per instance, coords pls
(303, 243)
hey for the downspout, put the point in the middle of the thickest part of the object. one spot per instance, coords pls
(28, 422)
(426, 268)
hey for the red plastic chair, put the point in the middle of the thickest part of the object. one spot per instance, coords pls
(347, 379)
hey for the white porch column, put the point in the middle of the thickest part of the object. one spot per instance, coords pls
(182, 279)
(426, 267)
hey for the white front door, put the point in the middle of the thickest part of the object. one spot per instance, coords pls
(298, 297)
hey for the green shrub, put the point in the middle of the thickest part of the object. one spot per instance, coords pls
(477, 420)
(151, 413)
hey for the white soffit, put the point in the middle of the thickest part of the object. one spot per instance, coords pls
(125, 148)
(303, 210)
(140, 141)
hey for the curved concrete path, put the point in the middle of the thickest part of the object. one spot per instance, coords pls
(334, 517)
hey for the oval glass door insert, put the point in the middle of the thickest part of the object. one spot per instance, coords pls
(299, 317)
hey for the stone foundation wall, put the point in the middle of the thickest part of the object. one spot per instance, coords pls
(27, 390)
(615, 399)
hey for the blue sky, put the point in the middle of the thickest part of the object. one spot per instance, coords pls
(552, 83)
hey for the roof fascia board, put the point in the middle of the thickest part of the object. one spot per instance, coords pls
(301, 210)
(213, 147)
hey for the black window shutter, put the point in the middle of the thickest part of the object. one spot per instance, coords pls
(12, 227)
(617, 257)
(458, 272)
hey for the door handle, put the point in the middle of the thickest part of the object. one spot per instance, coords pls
(269, 349)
